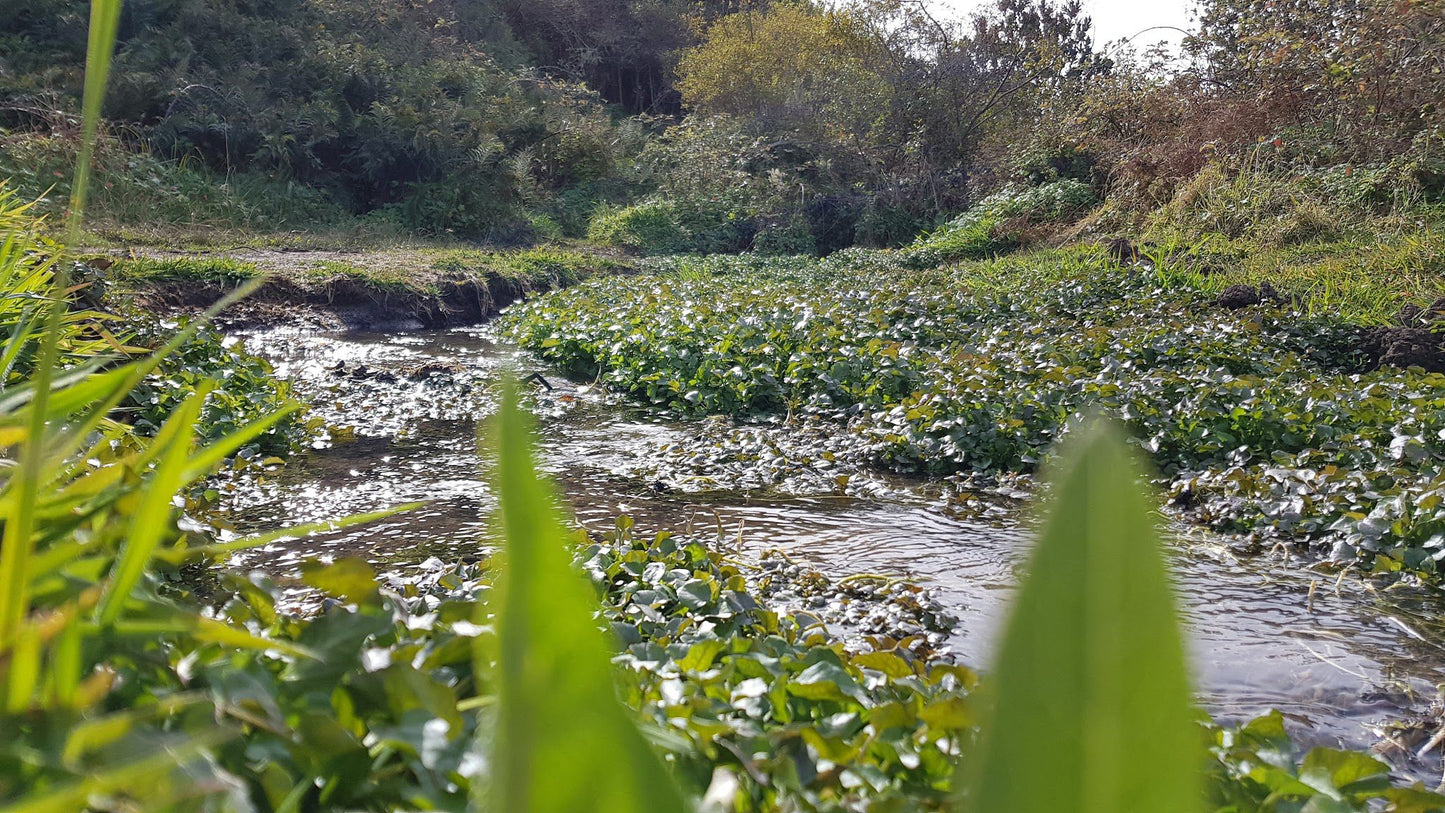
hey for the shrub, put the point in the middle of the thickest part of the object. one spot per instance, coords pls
(648, 227)
(478, 207)
(785, 238)
(883, 224)
(990, 227)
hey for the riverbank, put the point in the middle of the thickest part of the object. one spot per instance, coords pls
(393, 287)
(730, 674)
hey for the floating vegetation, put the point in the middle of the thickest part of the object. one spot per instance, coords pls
(1265, 419)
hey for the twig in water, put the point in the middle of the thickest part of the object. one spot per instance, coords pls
(1326, 660)
(1432, 744)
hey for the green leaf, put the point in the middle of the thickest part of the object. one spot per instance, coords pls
(824, 680)
(1092, 701)
(348, 579)
(1335, 773)
(952, 712)
(563, 742)
(701, 655)
(885, 662)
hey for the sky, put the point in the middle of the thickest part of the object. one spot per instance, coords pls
(1113, 19)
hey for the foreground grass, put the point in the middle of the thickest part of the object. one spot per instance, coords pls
(1268, 420)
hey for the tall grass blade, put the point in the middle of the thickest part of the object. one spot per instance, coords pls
(69, 440)
(104, 26)
(1092, 706)
(564, 742)
(178, 555)
(19, 527)
(149, 522)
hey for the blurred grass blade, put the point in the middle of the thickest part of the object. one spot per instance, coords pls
(211, 456)
(564, 742)
(203, 629)
(1092, 702)
(178, 555)
(99, 732)
(17, 543)
(104, 25)
(74, 434)
(75, 389)
(148, 774)
(22, 669)
(67, 663)
(149, 522)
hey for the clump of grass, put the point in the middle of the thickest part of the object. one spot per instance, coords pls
(551, 266)
(383, 276)
(222, 269)
(1364, 280)
(995, 225)
(651, 227)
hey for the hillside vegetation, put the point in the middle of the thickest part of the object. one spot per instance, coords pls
(733, 125)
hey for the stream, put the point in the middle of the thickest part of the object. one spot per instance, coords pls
(1338, 659)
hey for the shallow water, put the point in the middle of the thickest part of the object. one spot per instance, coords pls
(1336, 664)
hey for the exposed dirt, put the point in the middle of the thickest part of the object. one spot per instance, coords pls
(1404, 347)
(1243, 296)
(297, 293)
(1416, 340)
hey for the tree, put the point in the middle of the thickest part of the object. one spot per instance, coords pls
(1364, 76)
(793, 68)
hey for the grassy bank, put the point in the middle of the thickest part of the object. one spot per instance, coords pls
(421, 269)
(346, 289)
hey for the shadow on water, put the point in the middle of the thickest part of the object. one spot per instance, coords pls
(1336, 658)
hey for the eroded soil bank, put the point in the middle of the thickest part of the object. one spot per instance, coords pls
(399, 289)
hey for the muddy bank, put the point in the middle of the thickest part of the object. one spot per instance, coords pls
(336, 290)
(1417, 339)
(341, 304)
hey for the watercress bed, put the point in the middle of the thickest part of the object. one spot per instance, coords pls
(1265, 420)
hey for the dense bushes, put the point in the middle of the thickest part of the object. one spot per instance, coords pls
(871, 123)
(806, 128)
(1281, 89)
(428, 110)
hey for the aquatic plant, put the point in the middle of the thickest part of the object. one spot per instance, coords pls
(1265, 420)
